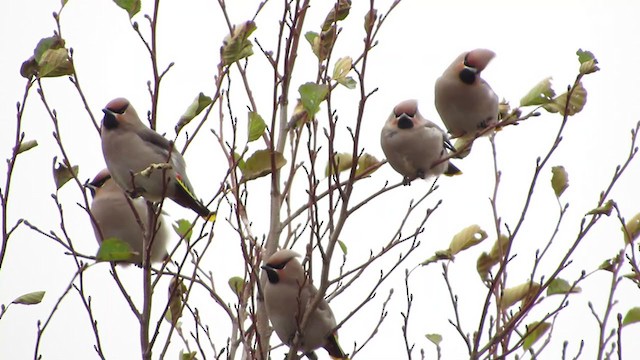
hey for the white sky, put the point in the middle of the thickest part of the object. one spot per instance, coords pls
(419, 40)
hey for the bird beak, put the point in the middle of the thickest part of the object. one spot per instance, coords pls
(108, 112)
(449, 146)
(405, 121)
(92, 188)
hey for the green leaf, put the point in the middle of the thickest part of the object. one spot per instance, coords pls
(434, 338)
(343, 161)
(55, 62)
(632, 316)
(561, 286)
(188, 356)
(48, 43)
(609, 264)
(631, 229)
(131, 6)
(62, 174)
(29, 68)
(259, 164)
(341, 69)
(343, 246)
(113, 249)
(538, 329)
(256, 126)
(605, 209)
(236, 284)
(183, 228)
(31, 298)
(338, 12)
(239, 161)
(176, 292)
(524, 292)
(588, 62)
(27, 145)
(237, 46)
(559, 180)
(542, 93)
(199, 103)
(312, 95)
(468, 237)
(439, 255)
(311, 37)
(576, 103)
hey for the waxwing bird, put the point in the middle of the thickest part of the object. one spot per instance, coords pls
(286, 296)
(414, 146)
(465, 102)
(129, 147)
(114, 218)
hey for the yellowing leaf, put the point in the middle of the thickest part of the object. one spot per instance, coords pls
(499, 248)
(311, 96)
(175, 296)
(343, 161)
(199, 103)
(62, 174)
(113, 249)
(369, 20)
(30, 298)
(27, 145)
(632, 316)
(340, 71)
(183, 228)
(535, 331)
(576, 103)
(55, 62)
(338, 12)
(609, 264)
(542, 93)
(256, 126)
(463, 146)
(237, 45)
(366, 161)
(484, 265)
(561, 286)
(523, 292)
(236, 284)
(434, 338)
(48, 43)
(131, 6)
(605, 209)
(631, 229)
(559, 180)
(468, 237)
(588, 62)
(259, 164)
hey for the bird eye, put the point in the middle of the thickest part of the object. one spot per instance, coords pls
(279, 266)
(466, 61)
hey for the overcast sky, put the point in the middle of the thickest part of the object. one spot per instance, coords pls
(419, 40)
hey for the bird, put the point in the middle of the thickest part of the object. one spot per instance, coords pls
(287, 294)
(414, 146)
(129, 147)
(466, 103)
(115, 218)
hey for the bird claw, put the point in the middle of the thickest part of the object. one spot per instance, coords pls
(406, 181)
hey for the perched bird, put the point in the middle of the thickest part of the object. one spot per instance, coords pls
(287, 295)
(414, 146)
(465, 102)
(114, 218)
(129, 147)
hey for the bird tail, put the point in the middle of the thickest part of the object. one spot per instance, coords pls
(452, 170)
(333, 348)
(185, 198)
